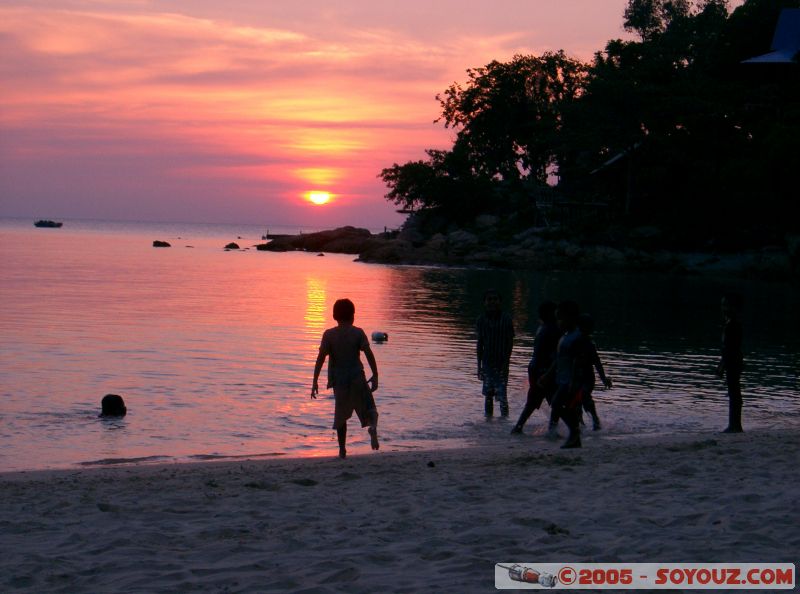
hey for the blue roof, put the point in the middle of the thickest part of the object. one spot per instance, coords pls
(785, 41)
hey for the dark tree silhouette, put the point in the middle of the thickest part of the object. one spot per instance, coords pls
(671, 129)
(508, 116)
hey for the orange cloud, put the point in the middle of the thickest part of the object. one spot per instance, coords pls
(264, 102)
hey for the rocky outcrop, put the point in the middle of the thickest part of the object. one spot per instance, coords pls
(486, 244)
(158, 243)
(232, 246)
(532, 251)
(344, 240)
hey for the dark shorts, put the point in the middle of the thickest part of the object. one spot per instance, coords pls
(563, 399)
(536, 393)
(495, 385)
(354, 397)
(577, 399)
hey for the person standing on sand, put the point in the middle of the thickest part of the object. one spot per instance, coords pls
(351, 390)
(544, 353)
(731, 362)
(495, 341)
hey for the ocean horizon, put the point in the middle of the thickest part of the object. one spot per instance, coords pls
(176, 228)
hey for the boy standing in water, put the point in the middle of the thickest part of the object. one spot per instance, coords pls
(351, 392)
(732, 360)
(588, 361)
(544, 353)
(495, 341)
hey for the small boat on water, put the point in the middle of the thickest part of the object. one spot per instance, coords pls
(48, 224)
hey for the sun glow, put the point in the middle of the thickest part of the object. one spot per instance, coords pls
(319, 197)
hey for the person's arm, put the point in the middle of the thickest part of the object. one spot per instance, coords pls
(480, 350)
(323, 352)
(598, 365)
(317, 369)
(373, 365)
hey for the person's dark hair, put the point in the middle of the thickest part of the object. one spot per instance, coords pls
(491, 293)
(585, 323)
(112, 405)
(568, 309)
(344, 310)
(735, 300)
(547, 311)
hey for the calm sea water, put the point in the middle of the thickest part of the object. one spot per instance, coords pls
(213, 351)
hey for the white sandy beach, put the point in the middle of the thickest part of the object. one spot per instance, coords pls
(432, 521)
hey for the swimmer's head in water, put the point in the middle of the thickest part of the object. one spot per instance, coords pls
(112, 405)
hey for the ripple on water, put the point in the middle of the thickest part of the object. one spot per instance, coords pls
(214, 355)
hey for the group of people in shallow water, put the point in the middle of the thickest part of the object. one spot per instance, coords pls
(561, 370)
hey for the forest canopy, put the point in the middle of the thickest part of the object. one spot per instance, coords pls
(669, 129)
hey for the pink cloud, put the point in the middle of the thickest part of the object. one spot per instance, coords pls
(231, 108)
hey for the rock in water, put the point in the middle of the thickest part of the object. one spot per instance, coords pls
(48, 224)
(344, 240)
(378, 336)
(232, 246)
(158, 243)
(112, 405)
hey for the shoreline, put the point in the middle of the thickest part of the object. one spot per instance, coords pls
(510, 442)
(533, 438)
(534, 250)
(400, 521)
(534, 443)
(499, 442)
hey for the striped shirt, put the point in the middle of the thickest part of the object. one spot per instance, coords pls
(495, 340)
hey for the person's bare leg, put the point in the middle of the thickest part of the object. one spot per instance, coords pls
(341, 435)
(373, 432)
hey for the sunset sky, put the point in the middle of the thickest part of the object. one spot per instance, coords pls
(234, 112)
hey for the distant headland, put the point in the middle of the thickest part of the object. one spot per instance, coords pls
(488, 243)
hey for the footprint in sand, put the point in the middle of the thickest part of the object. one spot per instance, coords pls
(437, 556)
(349, 574)
(305, 482)
(262, 485)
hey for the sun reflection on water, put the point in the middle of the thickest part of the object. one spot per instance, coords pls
(316, 305)
(225, 369)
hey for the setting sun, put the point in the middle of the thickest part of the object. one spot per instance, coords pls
(319, 197)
